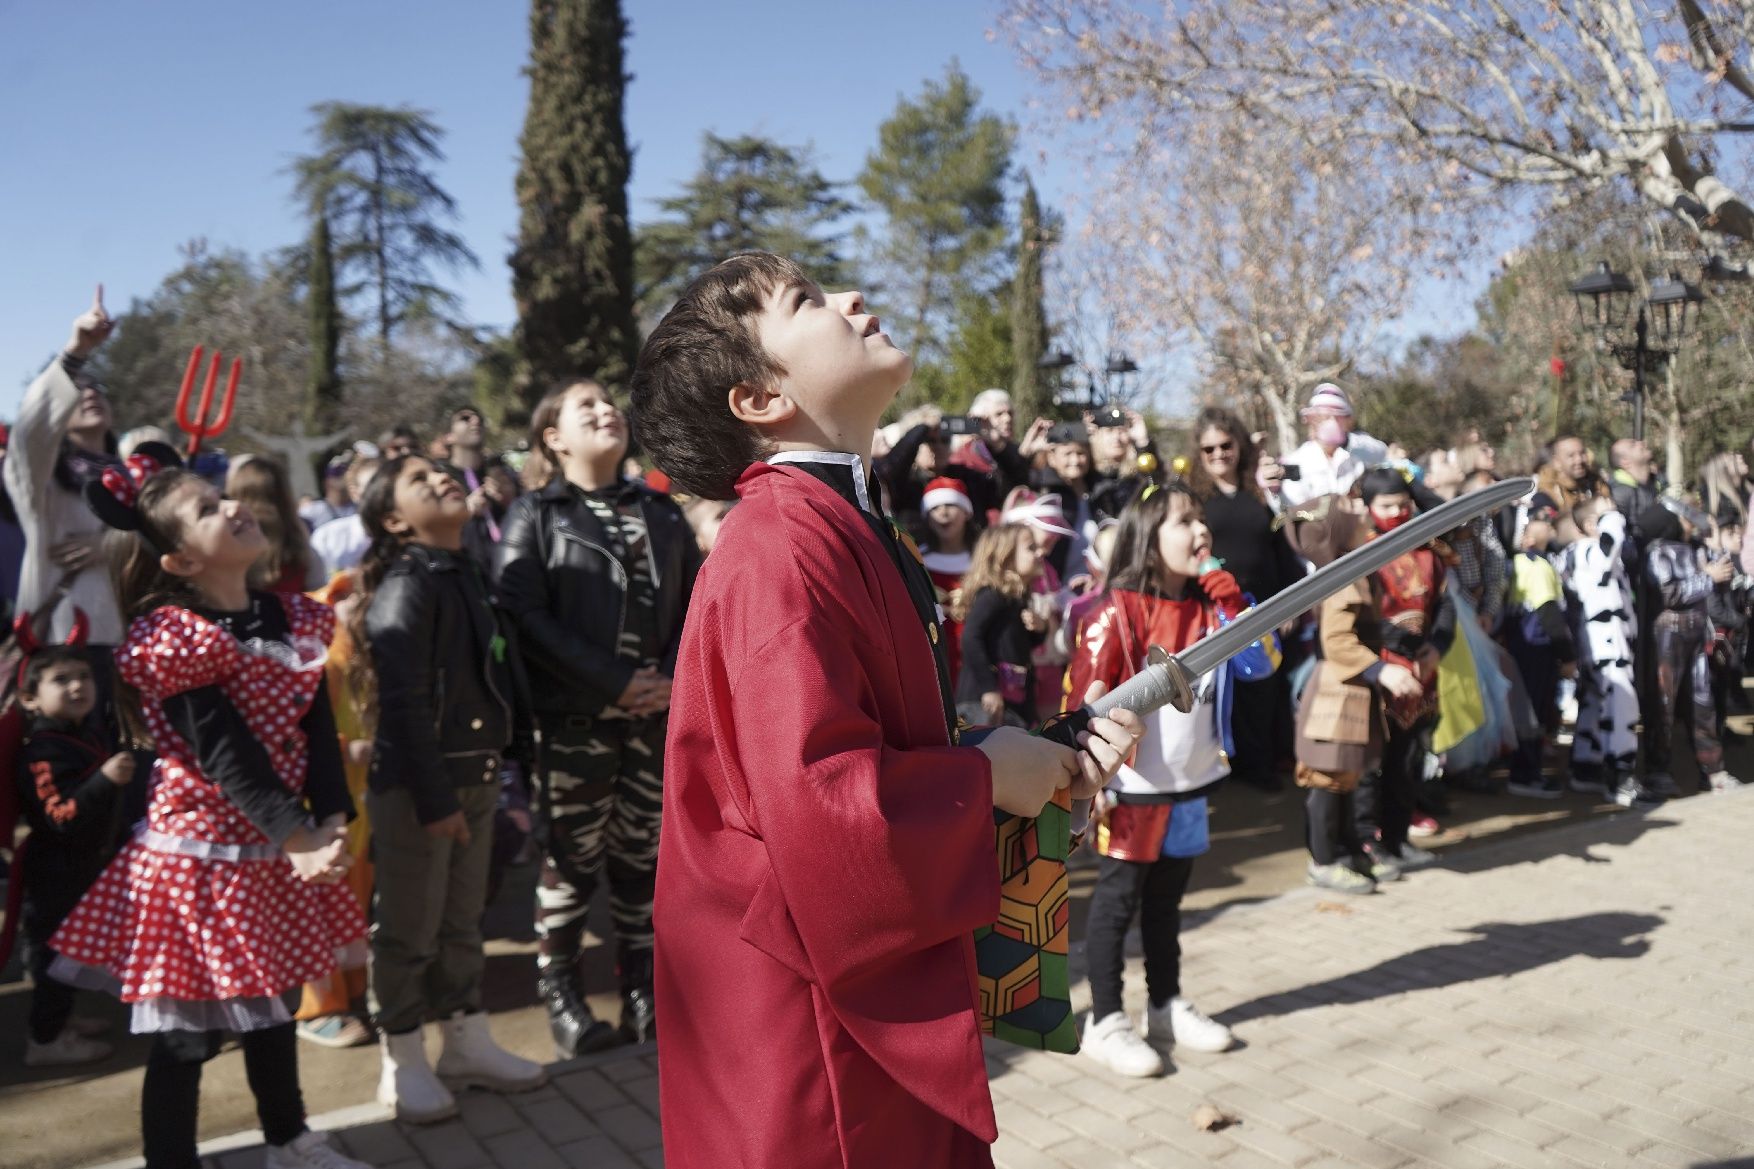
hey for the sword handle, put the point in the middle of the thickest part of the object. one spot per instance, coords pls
(1164, 681)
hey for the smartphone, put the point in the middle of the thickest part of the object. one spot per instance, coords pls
(959, 424)
(1111, 416)
(1292, 470)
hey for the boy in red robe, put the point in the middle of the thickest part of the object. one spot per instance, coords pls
(827, 848)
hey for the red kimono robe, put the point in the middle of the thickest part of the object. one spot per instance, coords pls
(825, 856)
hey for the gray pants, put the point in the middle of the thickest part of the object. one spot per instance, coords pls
(426, 924)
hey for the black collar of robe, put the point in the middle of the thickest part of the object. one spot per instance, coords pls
(850, 479)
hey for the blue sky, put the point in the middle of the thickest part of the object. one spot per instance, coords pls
(129, 128)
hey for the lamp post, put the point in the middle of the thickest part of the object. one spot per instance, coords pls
(1603, 298)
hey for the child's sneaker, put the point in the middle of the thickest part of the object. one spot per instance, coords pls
(1383, 866)
(65, 1050)
(1629, 793)
(310, 1150)
(1423, 826)
(1662, 785)
(1115, 1043)
(1411, 856)
(1180, 1023)
(1339, 878)
(1723, 781)
(1547, 787)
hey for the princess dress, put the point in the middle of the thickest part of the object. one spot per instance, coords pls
(201, 921)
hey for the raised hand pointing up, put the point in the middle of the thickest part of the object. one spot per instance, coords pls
(91, 328)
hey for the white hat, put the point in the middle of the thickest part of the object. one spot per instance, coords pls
(1329, 398)
(946, 490)
(1043, 513)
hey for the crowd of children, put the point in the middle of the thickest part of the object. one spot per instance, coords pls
(816, 774)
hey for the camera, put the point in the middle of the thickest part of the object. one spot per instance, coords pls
(1292, 470)
(959, 424)
(1112, 416)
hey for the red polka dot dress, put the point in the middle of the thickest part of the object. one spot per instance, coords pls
(201, 921)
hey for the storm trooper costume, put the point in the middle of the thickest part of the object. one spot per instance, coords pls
(1605, 745)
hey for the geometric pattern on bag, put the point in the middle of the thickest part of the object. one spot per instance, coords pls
(1025, 986)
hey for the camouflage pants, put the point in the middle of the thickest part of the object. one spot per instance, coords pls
(603, 793)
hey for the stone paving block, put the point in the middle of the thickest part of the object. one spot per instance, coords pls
(559, 1121)
(589, 1090)
(1089, 1126)
(1011, 1152)
(446, 1146)
(1256, 1107)
(1040, 1131)
(1508, 1151)
(1119, 1104)
(1056, 1069)
(1351, 1147)
(644, 1092)
(1504, 1122)
(524, 1150)
(377, 1144)
(487, 1114)
(1021, 1091)
(629, 1126)
(592, 1153)
(1281, 1148)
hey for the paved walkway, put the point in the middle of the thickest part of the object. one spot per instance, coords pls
(1579, 996)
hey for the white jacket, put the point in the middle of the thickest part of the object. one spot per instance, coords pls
(1325, 474)
(49, 513)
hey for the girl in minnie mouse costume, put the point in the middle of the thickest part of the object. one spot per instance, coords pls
(229, 895)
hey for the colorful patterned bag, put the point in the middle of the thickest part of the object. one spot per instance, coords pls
(1025, 987)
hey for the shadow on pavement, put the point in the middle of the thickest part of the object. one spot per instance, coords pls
(1497, 950)
(1618, 828)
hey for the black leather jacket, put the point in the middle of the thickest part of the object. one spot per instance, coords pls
(567, 593)
(449, 699)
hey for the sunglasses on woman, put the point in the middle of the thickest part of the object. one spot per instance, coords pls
(1226, 447)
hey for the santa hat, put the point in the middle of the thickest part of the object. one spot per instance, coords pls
(945, 490)
(1328, 398)
(1041, 512)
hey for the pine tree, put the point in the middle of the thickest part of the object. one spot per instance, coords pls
(938, 177)
(750, 194)
(372, 179)
(572, 269)
(1029, 323)
(323, 394)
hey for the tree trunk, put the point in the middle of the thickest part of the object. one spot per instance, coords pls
(1282, 406)
(381, 248)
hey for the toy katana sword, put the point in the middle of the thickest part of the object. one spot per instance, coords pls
(1168, 679)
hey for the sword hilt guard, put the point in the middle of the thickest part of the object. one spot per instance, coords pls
(1165, 681)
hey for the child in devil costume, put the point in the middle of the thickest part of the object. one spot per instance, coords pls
(229, 896)
(70, 779)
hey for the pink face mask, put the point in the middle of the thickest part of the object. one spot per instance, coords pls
(1329, 432)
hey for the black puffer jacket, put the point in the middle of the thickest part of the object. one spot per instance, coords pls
(449, 699)
(567, 593)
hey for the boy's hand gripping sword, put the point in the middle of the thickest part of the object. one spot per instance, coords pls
(1168, 679)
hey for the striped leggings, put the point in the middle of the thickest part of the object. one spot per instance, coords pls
(603, 793)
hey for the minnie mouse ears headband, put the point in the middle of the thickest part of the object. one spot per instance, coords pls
(115, 495)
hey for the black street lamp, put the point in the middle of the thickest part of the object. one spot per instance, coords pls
(1603, 298)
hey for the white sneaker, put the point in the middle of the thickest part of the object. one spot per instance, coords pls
(1413, 857)
(65, 1050)
(1114, 1043)
(88, 1026)
(471, 1059)
(1180, 1022)
(1723, 781)
(407, 1083)
(310, 1150)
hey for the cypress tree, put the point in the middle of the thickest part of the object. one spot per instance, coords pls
(1029, 323)
(572, 269)
(323, 385)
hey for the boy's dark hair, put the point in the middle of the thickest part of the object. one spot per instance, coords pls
(1382, 481)
(706, 344)
(46, 659)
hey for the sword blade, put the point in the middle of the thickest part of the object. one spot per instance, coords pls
(1169, 681)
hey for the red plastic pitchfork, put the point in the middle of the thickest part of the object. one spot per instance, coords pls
(198, 427)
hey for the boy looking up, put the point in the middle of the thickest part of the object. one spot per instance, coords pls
(827, 847)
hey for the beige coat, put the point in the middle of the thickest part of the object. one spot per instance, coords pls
(1339, 720)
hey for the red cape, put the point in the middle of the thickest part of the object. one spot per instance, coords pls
(824, 859)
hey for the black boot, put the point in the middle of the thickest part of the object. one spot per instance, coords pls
(639, 1017)
(576, 1031)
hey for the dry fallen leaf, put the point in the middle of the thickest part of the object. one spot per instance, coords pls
(1209, 1119)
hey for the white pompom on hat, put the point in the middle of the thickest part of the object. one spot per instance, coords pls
(945, 490)
(1328, 398)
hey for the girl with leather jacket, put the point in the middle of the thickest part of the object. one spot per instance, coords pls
(443, 686)
(596, 570)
